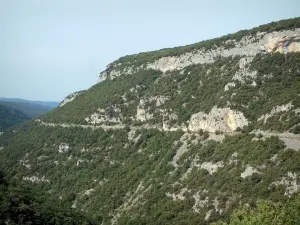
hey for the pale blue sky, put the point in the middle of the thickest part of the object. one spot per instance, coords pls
(50, 48)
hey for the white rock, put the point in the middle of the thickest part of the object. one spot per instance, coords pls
(218, 119)
(63, 147)
(35, 179)
(248, 171)
(70, 98)
(290, 181)
(88, 192)
(229, 85)
(248, 47)
(276, 109)
(211, 167)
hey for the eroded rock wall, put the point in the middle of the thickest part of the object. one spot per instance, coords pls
(218, 119)
(249, 46)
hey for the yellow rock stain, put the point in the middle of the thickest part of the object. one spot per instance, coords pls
(231, 121)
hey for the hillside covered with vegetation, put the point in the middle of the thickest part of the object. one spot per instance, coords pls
(25, 204)
(201, 134)
(10, 117)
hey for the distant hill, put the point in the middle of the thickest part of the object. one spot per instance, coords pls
(10, 117)
(32, 109)
(44, 103)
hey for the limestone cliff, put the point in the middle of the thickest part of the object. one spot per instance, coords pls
(283, 41)
(70, 98)
(185, 135)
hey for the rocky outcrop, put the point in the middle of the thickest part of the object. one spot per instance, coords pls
(290, 182)
(143, 109)
(70, 98)
(228, 86)
(218, 119)
(143, 115)
(110, 114)
(211, 167)
(284, 44)
(249, 46)
(35, 179)
(63, 147)
(248, 171)
(276, 110)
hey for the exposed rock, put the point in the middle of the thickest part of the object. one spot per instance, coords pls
(143, 115)
(24, 163)
(275, 110)
(143, 110)
(290, 182)
(249, 46)
(131, 201)
(74, 205)
(88, 192)
(229, 85)
(179, 196)
(135, 140)
(248, 171)
(63, 147)
(211, 167)
(291, 143)
(232, 159)
(79, 161)
(216, 204)
(102, 76)
(131, 134)
(110, 114)
(243, 75)
(183, 148)
(274, 158)
(35, 179)
(218, 119)
(284, 44)
(71, 97)
(200, 203)
(207, 214)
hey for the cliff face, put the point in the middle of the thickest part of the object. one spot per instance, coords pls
(246, 49)
(70, 97)
(175, 136)
(249, 46)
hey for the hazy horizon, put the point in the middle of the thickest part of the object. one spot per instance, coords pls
(52, 48)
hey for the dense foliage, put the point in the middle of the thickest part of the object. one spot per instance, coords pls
(26, 204)
(268, 212)
(111, 166)
(138, 173)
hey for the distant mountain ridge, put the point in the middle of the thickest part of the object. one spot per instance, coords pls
(51, 104)
(32, 109)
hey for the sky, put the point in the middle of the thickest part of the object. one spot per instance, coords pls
(51, 48)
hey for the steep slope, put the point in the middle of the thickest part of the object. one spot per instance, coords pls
(176, 136)
(10, 117)
(21, 204)
(32, 109)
